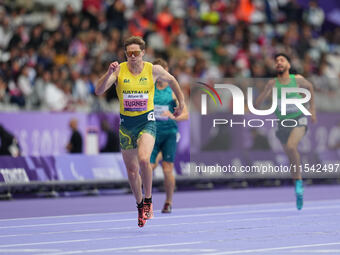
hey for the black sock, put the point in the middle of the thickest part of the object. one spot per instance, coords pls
(140, 205)
(148, 200)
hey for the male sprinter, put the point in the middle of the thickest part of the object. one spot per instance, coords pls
(290, 136)
(135, 88)
(166, 138)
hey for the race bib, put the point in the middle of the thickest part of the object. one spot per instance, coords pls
(159, 110)
(135, 102)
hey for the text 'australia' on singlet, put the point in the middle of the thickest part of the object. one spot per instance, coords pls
(135, 92)
(292, 111)
(164, 102)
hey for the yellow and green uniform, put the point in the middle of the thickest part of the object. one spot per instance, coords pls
(292, 111)
(136, 96)
(166, 128)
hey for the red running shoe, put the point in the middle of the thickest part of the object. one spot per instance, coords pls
(141, 220)
(148, 211)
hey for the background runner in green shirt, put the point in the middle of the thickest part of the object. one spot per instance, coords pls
(167, 133)
(290, 137)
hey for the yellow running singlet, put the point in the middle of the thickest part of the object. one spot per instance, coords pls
(135, 92)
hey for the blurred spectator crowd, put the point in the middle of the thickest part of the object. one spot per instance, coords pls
(50, 59)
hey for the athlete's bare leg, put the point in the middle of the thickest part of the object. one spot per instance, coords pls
(145, 147)
(130, 158)
(169, 180)
(291, 149)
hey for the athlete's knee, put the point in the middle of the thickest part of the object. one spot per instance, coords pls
(144, 161)
(168, 169)
(291, 148)
(153, 166)
(132, 172)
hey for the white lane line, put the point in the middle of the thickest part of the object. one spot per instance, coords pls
(67, 216)
(336, 251)
(27, 250)
(168, 225)
(65, 223)
(179, 209)
(96, 251)
(162, 225)
(124, 248)
(274, 249)
(62, 242)
(172, 250)
(176, 217)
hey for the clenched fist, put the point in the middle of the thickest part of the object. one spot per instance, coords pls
(113, 66)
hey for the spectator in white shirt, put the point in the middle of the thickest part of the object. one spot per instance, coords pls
(55, 98)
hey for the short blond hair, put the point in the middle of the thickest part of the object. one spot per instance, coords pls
(134, 40)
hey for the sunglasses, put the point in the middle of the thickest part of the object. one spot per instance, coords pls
(136, 53)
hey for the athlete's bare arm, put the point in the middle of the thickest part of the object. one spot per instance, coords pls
(303, 83)
(266, 92)
(108, 79)
(159, 73)
(183, 116)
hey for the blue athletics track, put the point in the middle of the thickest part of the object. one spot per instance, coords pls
(244, 221)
